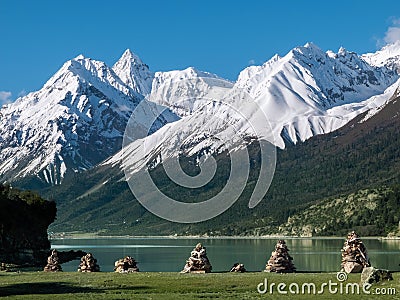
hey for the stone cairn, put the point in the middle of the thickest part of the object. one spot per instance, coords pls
(88, 264)
(53, 263)
(3, 267)
(198, 261)
(280, 260)
(126, 265)
(238, 268)
(354, 254)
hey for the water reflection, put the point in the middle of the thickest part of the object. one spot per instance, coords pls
(170, 254)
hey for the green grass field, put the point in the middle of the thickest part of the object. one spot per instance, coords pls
(71, 285)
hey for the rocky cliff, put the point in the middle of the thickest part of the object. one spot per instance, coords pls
(24, 218)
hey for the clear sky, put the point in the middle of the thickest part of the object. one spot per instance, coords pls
(222, 37)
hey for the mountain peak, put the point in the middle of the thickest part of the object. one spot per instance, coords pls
(309, 49)
(342, 51)
(393, 48)
(134, 73)
(79, 57)
(311, 45)
(129, 56)
(95, 72)
(388, 56)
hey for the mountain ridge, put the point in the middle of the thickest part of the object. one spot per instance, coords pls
(87, 105)
(77, 120)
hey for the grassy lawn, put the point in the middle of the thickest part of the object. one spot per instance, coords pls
(71, 285)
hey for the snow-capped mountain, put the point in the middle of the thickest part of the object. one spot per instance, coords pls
(75, 121)
(79, 117)
(305, 93)
(388, 56)
(184, 91)
(302, 92)
(134, 73)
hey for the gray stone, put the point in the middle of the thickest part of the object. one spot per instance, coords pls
(372, 275)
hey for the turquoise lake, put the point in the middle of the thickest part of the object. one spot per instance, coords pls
(170, 254)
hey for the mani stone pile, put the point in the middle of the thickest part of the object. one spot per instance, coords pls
(280, 260)
(53, 263)
(354, 254)
(198, 261)
(88, 264)
(126, 265)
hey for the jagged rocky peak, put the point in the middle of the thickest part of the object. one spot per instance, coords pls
(308, 52)
(308, 48)
(129, 57)
(134, 73)
(81, 70)
(75, 121)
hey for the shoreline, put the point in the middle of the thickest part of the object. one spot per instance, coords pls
(77, 236)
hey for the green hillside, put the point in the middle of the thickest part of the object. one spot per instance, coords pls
(369, 212)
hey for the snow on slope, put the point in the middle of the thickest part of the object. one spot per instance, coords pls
(305, 93)
(79, 116)
(297, 91)
(388, 56)
(134, 73)
(180, 90)
(376, 103)
(217, 127)
(75, 121)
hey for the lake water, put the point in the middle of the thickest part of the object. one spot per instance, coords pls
(170, 254)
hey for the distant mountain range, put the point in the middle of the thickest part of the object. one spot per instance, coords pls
(69, 135)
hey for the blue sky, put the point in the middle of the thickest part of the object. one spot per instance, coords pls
(223, 37)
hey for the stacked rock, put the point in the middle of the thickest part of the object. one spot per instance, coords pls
(3, 267)
(280, 260)
(354, 254)
(126, 265)
(198, 261)
(238, 268)
(88, 264)
(53, 263)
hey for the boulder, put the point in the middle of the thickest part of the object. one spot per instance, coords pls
(372, 275)
(238, 268)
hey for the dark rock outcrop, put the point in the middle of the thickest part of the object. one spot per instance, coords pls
(66, 256)
(24, 219)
